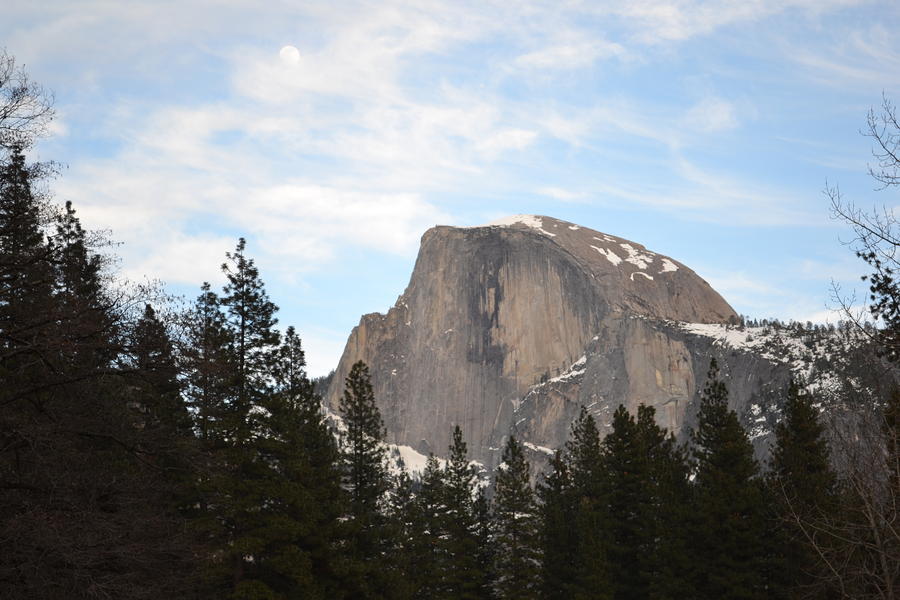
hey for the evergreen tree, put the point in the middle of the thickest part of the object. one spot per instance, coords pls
(484, 537)
(463, 576)
(28, 342)
(89, 486)
(432, 564)
(363, 452)
(250, 316)
(156, 385)
(668, 564)
(208, 362)
(517, 547)
(629, 500)
(233, 386)
(298, 495)
(729, 546)
(406, 533)
(803, 486)
(585, 459)
(559, 539)
(85, 312)
(365, 480)
(647, 499)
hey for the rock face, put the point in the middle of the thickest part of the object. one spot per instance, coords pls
(515, 325)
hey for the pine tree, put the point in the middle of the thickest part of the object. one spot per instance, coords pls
(668, 564)
(233, 391)
(208, 360)
(729, 549)
(432, 565)
(405, 533)
(803, 486)
(89, 499)
(629, 500)
(365, 480)
(517, 547)
(27, 340)
(298, 495)
(464, 579)
(647, 490)
(84, 309)
(484, 537)
(363, 453)
(559, 539)
(585, 459)
(250, 316)
(156, 385)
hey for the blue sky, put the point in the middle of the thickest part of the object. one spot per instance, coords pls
(333, 134)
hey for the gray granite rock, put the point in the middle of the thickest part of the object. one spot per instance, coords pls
(494, 318)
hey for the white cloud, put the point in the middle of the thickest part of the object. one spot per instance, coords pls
(711, 115)
(655, 21)
(323, 350)
(181, 259)
(574, 55)
(311, 222)
(561, 194)
(506, 139)
(862, 57)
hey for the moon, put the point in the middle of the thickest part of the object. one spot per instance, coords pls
(289, 55)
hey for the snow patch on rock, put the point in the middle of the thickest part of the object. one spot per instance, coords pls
(532, 221)
(636, 257)
(650, 277)
(576, 370)
(610, 255)
(668, 266)
(412, 460)
(536, 448)
(775, 345)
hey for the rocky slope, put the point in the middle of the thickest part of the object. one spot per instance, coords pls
(515, 325)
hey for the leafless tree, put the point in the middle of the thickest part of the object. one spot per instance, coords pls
(858, 540)
(26, 109)
(882, 126)
(876, 235)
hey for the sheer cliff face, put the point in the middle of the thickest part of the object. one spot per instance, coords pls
(491, 312)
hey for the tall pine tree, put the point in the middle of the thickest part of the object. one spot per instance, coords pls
(432, 563)
(559, 539)
(729, 550)
(464, 577)
(516, 543)
(803, 486)
(668, 506)
(250, 316)
(365, 480)
(299, 492)
(629, 500)
(586, 468)
(236, 386)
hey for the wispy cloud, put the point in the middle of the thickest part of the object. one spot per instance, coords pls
(575, 54)
(711, 115)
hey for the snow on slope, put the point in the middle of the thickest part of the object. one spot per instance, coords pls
(399, 454)
(780, 345)
(532, 221)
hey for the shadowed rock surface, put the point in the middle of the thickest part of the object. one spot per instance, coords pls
(515, 325)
